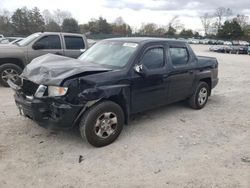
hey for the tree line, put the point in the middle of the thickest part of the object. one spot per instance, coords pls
(219, 24)
(224, 24)
(24, 21)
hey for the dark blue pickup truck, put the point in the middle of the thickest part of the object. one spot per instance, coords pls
(110, 81)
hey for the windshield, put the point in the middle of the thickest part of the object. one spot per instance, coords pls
(28, 39)
(110, 53)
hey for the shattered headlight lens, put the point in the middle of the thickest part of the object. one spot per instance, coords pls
(55, 91)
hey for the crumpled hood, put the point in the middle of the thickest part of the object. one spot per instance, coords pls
(52, 69)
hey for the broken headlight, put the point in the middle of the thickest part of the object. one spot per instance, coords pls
(55, 91)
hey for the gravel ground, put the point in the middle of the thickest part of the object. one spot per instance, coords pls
(173, 146)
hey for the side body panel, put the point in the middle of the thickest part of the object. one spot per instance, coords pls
(181, 77)
(148, 92)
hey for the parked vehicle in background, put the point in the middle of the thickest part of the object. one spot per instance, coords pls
(1, 36)
(212, 42)
(235, 42)
(16, 41)
(229, 49)
(4, 41)
(217, 48)
(227, 43)
(204, 41)
(193, 41)
(11, 40)
(13, 58)
(238, 50)
(248, 50)
(243, 43)
(112, 80)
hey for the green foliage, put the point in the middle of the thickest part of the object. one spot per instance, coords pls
(52, 26)
(171, 31)
(70, 25)
(20, 21)
(230, 30)
(6, 27)
(186, 33)
(26, 21)
(99, 26)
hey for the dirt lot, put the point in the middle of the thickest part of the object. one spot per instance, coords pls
(174, 146)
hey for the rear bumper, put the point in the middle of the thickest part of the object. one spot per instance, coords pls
(49, 112)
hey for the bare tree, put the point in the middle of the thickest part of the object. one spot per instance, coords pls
(242, 20)
(221, 13)
(175, 23)
(47, 16)
(119, 21)
(206, 22)
(60, 15)
(148, 29)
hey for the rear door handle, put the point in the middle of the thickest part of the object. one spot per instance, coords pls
(191, 72)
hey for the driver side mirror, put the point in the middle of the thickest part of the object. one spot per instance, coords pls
(82, 50)
(141, 70)
(38, 46)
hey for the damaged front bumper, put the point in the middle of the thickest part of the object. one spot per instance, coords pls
(48, 112)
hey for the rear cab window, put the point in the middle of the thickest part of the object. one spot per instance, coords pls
(74, 42)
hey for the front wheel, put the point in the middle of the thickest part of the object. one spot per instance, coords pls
(9, 71)
(199, 99)
(102, 123)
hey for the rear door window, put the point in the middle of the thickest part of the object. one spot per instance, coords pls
(179, 55)
(74, 43)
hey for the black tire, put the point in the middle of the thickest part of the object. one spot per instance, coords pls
(89, 120)
(194, 99)
(8, 66)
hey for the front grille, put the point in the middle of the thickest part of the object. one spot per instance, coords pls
(29, 88)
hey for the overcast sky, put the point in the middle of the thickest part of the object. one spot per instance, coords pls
(134, 12)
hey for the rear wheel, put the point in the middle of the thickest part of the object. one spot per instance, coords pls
(199, 99)
(9, 71)
(102, 123)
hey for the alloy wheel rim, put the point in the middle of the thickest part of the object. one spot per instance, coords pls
(9, 74)
(202, 96)
(106, 125)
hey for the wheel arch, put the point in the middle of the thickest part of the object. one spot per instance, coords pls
(208, 80)
(118, 94)
(122, 102)
(14, 61)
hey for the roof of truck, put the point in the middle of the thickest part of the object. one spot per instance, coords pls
(63, 33)
(144, 39)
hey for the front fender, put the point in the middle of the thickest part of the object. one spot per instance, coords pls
(119, 93)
